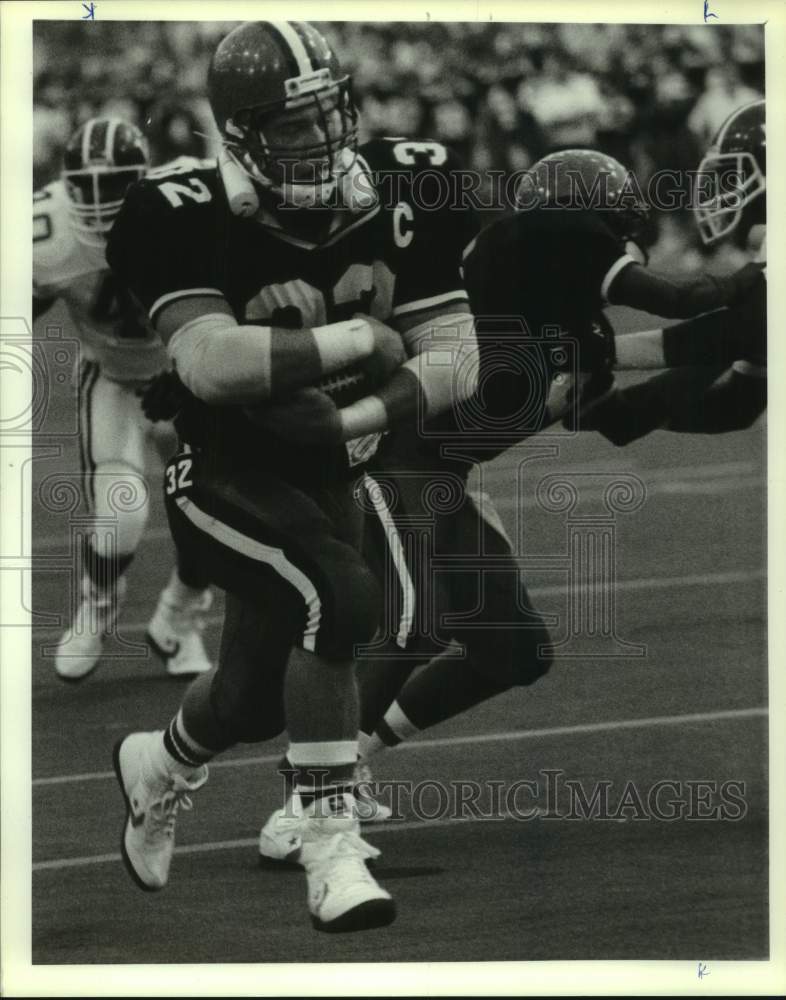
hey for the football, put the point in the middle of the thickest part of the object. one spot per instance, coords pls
(362, 378)
(347, 386)
(308, 414)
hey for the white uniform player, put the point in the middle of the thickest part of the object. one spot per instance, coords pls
(119, 353)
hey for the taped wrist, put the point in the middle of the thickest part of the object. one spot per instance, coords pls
(342, 344)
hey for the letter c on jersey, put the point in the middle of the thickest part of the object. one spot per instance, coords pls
(403, 233)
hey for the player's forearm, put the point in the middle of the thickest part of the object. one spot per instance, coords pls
(443, 374)
(641, 288)
(226, 364)
(712, 338)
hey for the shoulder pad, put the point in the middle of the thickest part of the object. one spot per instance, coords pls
(180, 165)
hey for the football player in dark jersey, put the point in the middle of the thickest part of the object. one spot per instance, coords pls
(696, 396)
(301, 303)
(538, 283)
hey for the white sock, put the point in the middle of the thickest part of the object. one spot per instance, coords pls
(364, 742)
(396, 726)
(163, 763)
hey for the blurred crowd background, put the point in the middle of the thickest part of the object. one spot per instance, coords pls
(502, 95)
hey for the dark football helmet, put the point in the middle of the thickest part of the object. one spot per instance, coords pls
(265, 73)
(102, 159)
(732, 176)
(586, 179)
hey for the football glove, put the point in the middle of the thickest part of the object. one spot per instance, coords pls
(163, 397)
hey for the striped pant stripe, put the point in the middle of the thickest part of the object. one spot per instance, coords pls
(251, 548)
(88, 376)
(396, 548)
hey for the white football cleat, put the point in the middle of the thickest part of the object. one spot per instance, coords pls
(175, 633)
(152, 804)
(280, 838)
(79, 650)
(342, 893)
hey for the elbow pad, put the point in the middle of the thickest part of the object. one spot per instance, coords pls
(446, 360)
(196, 349)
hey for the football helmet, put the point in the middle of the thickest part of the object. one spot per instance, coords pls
(586, 179)
(736, 167)
(102, 159)
(284, 109)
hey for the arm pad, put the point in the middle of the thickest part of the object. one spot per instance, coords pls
(226, 364)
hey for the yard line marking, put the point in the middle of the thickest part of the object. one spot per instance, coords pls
(644, 583)
(666, 582)
(447, 741)
(701, 480)
(390, 826)
(654, 474)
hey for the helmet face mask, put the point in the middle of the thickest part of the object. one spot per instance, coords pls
(101, 161)
(306, 144)
(731, 193)
(96, 196)
(736, 180)
(286, 113)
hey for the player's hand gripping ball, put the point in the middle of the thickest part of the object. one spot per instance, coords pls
(311, 416)
(362, 378)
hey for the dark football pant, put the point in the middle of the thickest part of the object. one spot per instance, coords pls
(448, 572)
(290, 563)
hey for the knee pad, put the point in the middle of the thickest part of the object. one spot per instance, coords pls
(351, 606)
(120, 495)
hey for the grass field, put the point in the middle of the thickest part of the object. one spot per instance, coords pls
(691, 588)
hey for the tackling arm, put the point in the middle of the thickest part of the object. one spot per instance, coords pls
(641, 288)
(717, 337)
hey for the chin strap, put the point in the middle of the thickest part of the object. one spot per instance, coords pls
(241, 196)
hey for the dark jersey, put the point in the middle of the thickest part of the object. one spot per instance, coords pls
(176, 238)
(537, 283)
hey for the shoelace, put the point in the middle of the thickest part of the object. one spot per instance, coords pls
(352, 851)
(163, 812)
